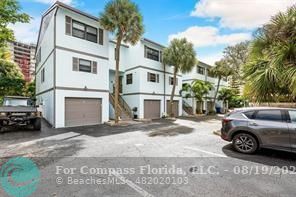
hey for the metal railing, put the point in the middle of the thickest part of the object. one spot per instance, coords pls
(122, 104)
(187, 108)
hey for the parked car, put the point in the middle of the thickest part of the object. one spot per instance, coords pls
(19, 111)
(252, 128)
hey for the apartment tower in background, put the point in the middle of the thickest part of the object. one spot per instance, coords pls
(24, 55)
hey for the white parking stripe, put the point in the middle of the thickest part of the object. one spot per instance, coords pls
(132, 185)
(204, 151)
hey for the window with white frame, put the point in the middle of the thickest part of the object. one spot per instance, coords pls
(152, 77)
(129, 79)
(171, 81)
(153, 54)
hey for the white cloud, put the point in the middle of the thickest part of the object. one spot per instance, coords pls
(26, 32)
(211, 58)
(246, 14)
(52, 1)
(209, 36)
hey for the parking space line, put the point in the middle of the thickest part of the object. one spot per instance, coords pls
(132, 185)
(204, 151)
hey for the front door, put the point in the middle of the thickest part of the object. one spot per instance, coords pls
(292, 127)
(272, 127)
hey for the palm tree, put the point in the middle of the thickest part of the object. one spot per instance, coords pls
(199, 89)
(123, 19)
(225, 95)
(221, 70)
(270, 71)
(181, 55)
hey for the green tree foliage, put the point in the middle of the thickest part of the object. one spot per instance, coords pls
(221, 70)
(30, 90)
(180, 54)
(270, 71)
(199, 90)
(236, 57)
(124, 20)
(10, 14)
(11, 79)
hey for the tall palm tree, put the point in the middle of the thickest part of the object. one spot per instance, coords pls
(181, 55)
(221, 70)
(270, 71)
(124, 20)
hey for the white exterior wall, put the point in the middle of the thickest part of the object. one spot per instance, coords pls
(66, 77)
(46, 100)
(68, 41)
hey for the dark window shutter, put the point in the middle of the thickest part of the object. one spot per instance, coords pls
(101, 36)
(75, 64)
(94, 67)
(157, 78)
(68, 25)
(148, 76)
(145, 52)
(176, 81)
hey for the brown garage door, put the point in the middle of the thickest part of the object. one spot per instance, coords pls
(82, 111)
(175, 108)
(152, 109)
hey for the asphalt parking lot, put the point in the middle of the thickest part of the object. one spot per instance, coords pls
(211, 167)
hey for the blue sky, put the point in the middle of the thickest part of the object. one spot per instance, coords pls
(210, 24)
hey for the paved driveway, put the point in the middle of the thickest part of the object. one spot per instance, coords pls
(209, 163)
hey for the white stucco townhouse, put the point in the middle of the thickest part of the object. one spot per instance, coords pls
(201, 72)
(72, 68)
(75, 71)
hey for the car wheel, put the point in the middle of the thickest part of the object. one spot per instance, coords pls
(37, 124)
(245, 143)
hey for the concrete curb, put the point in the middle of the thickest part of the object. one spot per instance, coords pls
(218, 133)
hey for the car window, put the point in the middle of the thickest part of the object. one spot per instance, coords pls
(292, 116)
(249, 114)
(270, 115)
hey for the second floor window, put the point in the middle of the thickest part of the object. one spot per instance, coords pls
(153, 54)
(200, 70)
(152, 77)
(84, 65)
(171, 81)
(42, 75)
(129, 78)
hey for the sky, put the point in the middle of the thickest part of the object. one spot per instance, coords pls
(211, 25)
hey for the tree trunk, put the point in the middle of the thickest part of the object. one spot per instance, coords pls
(117, 112)
(216, 93)
(173, 94)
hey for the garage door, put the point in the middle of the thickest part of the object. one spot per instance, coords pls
(82, 111)
(175, 108)
(152, 109)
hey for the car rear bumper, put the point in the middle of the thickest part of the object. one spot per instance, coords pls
(224, 136)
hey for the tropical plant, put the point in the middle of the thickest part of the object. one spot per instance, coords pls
(10, 14)
(221, 70)
(11, 79)
(123, 19)
(199, 90)
(236, 57)
(226, 95)
(186, 91)
(270, 71)
(181, 55)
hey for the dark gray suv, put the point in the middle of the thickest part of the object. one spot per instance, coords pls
(252, 128)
